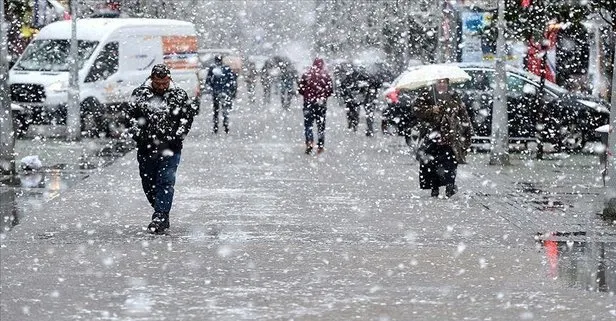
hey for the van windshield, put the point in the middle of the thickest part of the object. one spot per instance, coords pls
(53, 55)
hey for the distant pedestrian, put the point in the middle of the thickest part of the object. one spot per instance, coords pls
(161, 116)
(250, 78)
(316, 86)
(287, 81)
(223, 83)
(359, 90)
(267, 80)
(353, 96)
(447, 136)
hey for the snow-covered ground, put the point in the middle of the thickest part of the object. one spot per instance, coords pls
(261, 231)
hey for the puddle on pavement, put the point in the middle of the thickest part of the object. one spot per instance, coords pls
(587, 265)
(30, 190)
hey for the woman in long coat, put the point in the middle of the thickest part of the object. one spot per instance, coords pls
(446, 129)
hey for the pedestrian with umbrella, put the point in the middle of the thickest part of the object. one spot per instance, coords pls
(446, 125)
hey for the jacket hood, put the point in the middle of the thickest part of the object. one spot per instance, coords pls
(318, 63)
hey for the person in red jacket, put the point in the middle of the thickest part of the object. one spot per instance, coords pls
(316, 86)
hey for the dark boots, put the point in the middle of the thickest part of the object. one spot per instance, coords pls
(450, 190)
(309, 147)
(160, 222)
(434, 192)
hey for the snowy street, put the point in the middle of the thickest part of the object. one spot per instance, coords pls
(261, 231)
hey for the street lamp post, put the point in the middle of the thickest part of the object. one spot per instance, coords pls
(610, 192)
(73, 115)
(7, 134)
(500, 135)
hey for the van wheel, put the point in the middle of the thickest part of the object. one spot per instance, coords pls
(92, 118)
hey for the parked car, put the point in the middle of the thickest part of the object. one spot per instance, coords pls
(569, 118)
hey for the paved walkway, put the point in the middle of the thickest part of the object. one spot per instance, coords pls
(262, 231)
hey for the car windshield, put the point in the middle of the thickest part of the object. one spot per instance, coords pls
(53, 55)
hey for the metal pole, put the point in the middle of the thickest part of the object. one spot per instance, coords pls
(73, 117)
(540, 102)
(500, 129)
(610, 192)
(7, 134)
(440, 17)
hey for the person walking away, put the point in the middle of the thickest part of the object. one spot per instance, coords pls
(161, 117)
(266, 81)
(287, 81)
(447, 137)
(315, 86)
(250, 77)
(353, 96)
(370, 86)
(223, 84)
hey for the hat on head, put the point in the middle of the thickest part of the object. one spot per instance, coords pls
(160, 71)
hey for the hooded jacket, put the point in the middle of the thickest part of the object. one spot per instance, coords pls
(316, 84)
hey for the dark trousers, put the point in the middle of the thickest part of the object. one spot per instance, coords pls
(369, 108)
(285, 98)
(437, 166)
(250, 88)
(267, 93)
(158, 178)
(352, 113)
(315, 112)
(223, 101)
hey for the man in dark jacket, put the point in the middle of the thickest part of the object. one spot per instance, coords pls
(161, 117)
(316, 86)
(223, 83)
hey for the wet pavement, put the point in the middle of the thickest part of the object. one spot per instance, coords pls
(584, 265)
(63, 165)
(262, 231)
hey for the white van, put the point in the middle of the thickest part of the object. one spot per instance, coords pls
(115, 56)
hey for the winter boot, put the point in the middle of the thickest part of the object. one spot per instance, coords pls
(160, 222)
(320, 150)
(434, 192)
(450, 190)
(308, 148)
